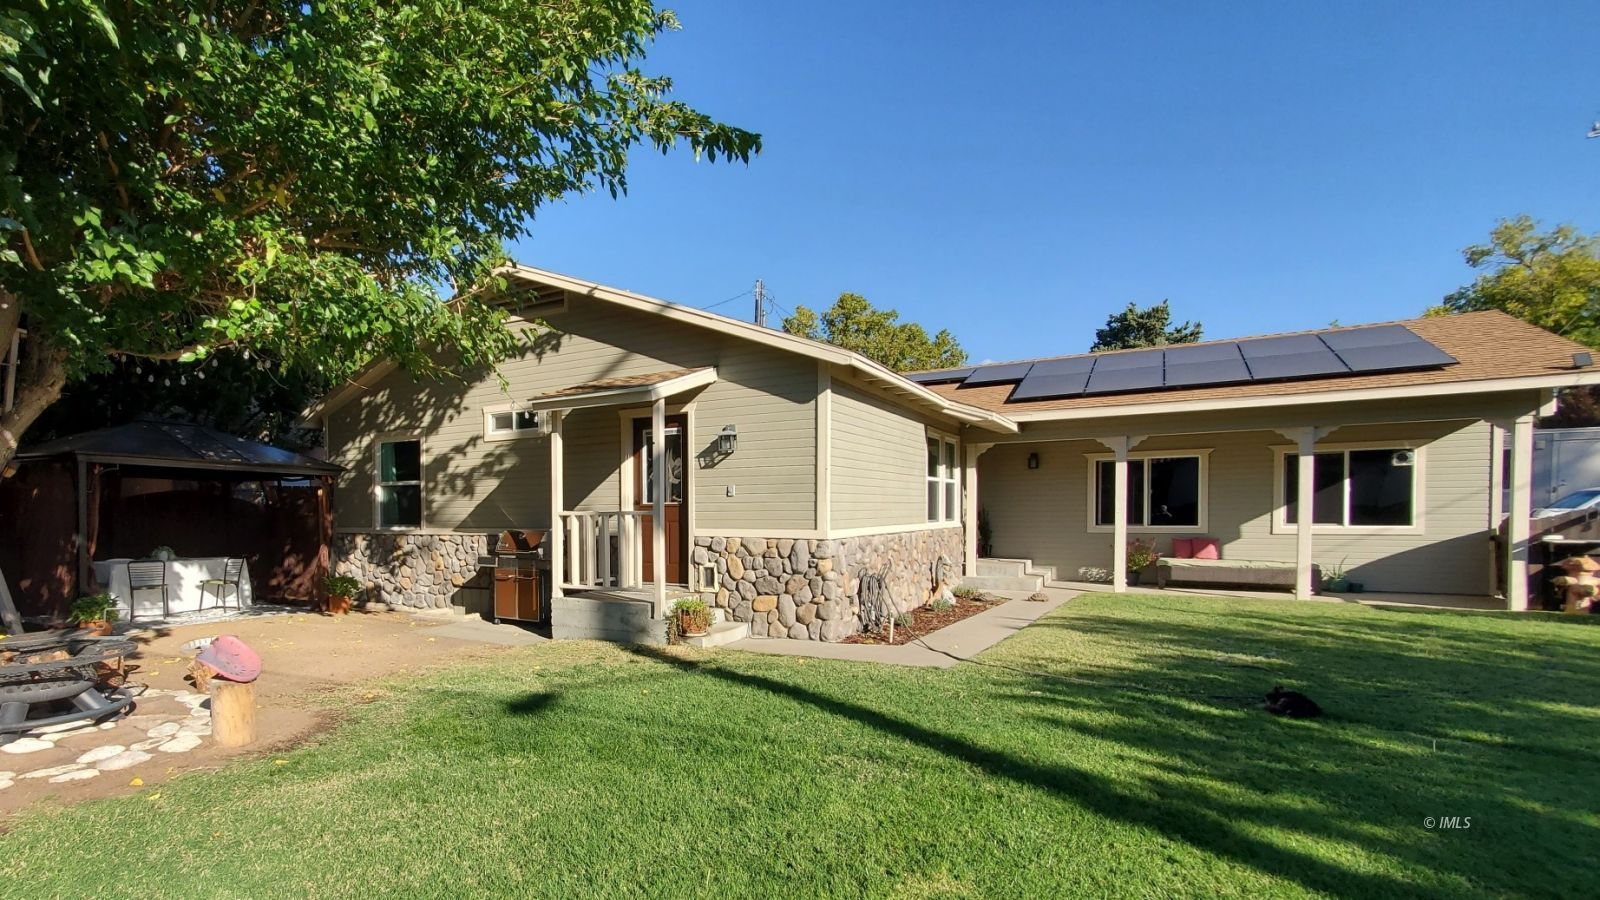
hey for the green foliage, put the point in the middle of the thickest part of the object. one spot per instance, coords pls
(342, 586)
(878, 334)
(967, 593)
(1148, 327)
(1550, 278)
(940, 603)
(318, 183)
(93, 608)
(691, 615)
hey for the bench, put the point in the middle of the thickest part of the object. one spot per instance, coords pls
(1232, 573)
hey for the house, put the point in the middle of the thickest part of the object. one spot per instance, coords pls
(786, 469)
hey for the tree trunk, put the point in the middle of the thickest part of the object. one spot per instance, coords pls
(41, 375)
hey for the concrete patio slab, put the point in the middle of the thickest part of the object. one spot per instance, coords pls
(475, 629)
(942, 649)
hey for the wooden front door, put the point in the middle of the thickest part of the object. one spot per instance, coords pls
(644, 496)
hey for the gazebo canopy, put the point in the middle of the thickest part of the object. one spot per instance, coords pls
(179, 445)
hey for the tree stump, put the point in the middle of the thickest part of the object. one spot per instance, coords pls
(233, 713)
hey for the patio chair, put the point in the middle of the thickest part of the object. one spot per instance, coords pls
(232, 574)
(148, 575)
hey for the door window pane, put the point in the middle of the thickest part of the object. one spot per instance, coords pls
(1175, 491)
(1380, 491)
(1327, 506)
(674, 454)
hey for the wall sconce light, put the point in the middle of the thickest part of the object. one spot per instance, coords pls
(727, 439)
(1033, 460)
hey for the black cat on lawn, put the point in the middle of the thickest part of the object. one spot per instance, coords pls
(1293, 704)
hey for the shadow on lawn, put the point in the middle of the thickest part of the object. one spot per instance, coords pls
(1422, 722)
(1202, 829)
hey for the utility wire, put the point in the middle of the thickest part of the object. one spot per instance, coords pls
(743, 293)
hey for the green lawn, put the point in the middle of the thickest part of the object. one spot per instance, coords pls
(1114, 748)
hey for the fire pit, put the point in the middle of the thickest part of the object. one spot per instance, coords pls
(55, 669)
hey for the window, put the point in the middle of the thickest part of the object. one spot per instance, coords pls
(508, 424)
(399, 488)
(944, 479)
(1164, 492)
(1355, 488)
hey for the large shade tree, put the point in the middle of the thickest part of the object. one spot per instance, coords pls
(304, 184)
(1149, 326)
(1550, 278)
(878, 334)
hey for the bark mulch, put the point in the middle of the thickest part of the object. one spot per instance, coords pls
(925, 621)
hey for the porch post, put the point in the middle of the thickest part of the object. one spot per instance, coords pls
(558, 532)
(969, 489)
(1519, 523)
(1305, 515)
(1119, 521)
(658, 508)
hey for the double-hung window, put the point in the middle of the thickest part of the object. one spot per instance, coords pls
(1368, 487)
(1166, 492)
(944, 479)
(399, 483)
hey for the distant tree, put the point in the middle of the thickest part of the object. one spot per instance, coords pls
(317, 183)
(1549, 278)
(878, 334)
(1148, 327)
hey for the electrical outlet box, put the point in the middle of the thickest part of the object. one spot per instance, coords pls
(731, 490)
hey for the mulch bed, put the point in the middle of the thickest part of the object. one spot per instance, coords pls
(925, 621)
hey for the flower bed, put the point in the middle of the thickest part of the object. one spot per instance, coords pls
(925, 620)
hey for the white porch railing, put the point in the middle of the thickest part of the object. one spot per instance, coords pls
(601, 549)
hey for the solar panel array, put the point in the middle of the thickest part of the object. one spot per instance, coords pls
(1351, 351)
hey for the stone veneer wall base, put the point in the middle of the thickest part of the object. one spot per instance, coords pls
(806, 589)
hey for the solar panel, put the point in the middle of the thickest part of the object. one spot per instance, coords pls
(999, 374)
(1375, 348)
(1139, 378)
(1037, 387)
(947, 375)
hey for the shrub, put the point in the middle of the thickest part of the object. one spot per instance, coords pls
(692, 616)
(940, 603)
(93, 608)
(1141, 554)
(967, 593)
(342, 586)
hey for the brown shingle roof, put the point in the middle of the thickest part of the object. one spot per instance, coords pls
(614, 384)
(1487, 345)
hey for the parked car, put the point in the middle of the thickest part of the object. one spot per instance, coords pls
(1570, 503)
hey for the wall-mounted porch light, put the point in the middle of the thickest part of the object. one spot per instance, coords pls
(727, 439)
(1033, 460)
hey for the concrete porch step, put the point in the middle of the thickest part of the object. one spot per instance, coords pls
(607, 618)
(1003, 582)
(721, 634)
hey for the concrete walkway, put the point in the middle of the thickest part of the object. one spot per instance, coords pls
(942, 649)
(473, 628)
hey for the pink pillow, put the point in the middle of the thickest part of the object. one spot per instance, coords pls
(1207, 548)
(1182, 548)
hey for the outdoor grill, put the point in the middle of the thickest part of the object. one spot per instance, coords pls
(519, 590)
(57, 674)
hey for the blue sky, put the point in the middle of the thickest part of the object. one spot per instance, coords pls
(1015, 172)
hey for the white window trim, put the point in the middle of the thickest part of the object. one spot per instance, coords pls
(1281, 525)
(377, 482)
(1093, 506)
(490, 435)
(950, 475)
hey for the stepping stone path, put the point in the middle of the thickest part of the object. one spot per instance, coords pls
(53, 771)
(165, 729)
(99, 753)
(77, 775)
(27, 745)
(183, 743)
(7, 779)
(123, 760)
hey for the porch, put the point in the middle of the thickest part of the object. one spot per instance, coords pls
(613, 568)
(1400, 499)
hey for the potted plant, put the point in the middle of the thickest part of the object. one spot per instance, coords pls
(94, 613)
(985, 533)
(341, 590)
(163, 553)
(1141, 555)
(1334, 579)
(693, 617)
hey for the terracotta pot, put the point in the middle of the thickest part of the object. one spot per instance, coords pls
(686, 624)
(338, 606)
(96, 627)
